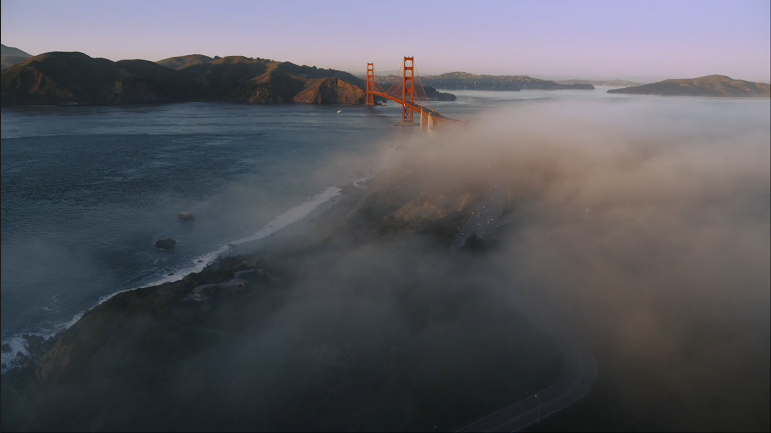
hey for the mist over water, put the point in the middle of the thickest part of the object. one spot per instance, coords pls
(641, 223)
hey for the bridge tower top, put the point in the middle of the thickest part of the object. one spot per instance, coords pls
(408, 88)
(370, 83)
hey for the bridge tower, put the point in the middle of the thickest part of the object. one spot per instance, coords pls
(370, 83)
(408, 88)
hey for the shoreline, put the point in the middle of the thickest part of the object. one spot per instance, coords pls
(25, 347)
(266, 267)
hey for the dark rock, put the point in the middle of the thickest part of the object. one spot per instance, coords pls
(165, 244)
(186, 216)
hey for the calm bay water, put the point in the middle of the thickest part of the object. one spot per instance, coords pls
(86, 191)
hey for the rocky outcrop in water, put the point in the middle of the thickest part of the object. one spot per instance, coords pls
(186, 216)
(165, 244)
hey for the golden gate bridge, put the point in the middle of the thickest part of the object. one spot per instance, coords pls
(409, 94)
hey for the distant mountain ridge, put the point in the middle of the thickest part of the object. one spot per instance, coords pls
(10, 56)
(12, 51)
(710, 85)
(465, 80)
(182, 61)
(619, 83)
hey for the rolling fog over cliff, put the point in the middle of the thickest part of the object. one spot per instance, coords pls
(641, 224)
(645, 225)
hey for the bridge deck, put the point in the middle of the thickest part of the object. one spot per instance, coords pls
(417, 107)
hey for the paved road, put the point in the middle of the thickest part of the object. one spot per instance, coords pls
(579, 371)
(579, 367)
(486, 217)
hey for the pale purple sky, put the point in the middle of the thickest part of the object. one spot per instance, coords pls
(550, 39)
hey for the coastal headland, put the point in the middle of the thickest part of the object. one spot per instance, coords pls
(357, 312)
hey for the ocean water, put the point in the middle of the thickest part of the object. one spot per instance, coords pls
(86, 191)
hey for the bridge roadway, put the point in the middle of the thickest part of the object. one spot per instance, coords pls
(417, 107)
(579, 367)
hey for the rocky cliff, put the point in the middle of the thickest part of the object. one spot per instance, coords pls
(73, 78)
(77, 79)
(711, 85)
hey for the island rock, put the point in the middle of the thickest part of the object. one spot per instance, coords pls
(186, 216)
(165, 244)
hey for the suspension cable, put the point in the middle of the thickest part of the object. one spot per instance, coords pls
(423, 88)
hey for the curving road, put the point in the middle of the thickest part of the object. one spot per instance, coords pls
(579, 367)
(579, 371)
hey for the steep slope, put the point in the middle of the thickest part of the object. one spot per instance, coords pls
(330, 91)
(313, 72)
(273, 87)
(72, 78)
(10, 56)
(13, 51)
(224, 77)
(182, 61)
(8, 61)
(77, 79)
(711, 85)
(262, 81)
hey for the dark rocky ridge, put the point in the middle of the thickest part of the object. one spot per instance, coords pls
(711, 85)
(76, 79)
(330, 91)
(182, 61)
(61, 78)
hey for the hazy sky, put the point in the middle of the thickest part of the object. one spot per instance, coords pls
(550, 39)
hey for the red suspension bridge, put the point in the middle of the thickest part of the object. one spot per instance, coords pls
(409, 94)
